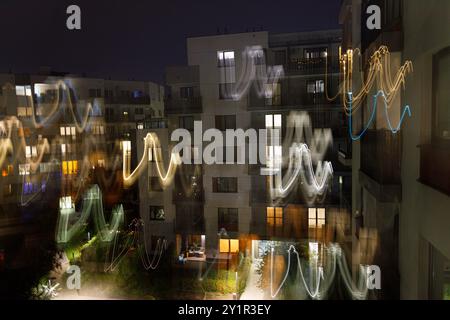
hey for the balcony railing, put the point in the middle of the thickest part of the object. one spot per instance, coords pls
(312, 66)
(307, 66)
(182, 196)
(127, 100)
(286, 101)
(183, 105)
(435, 168)
(381, 156)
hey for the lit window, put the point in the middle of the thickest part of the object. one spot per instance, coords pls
(225, 58)
(224, 245)
(314, 249)
(126, 145)
(320, 217)
(229, 246)
(22, 111)
(234, 246)
(316, 218)
(269, 121)
(23, 91)
(66, 203)
(273, 149)
(101, 163)
(272, 92)
(69, 167)
(273, 121)
(274, 217)
(28, 152)
(24, 169)
(20, 90)
(317, 86)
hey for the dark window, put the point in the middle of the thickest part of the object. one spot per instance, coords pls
(280, 57)
(109, 113)
(154, 184)
(226, 91)
(441, 96)
(187, 123)
(228, 219)
(225, 185)
(95, 93)
(138, 94)
(157, 213)
(139, 111)
(226, 122)
(186, 92)
(108, 93)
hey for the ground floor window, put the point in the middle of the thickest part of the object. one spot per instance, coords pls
(229, 246)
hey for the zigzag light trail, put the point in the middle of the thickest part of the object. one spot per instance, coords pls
(300, 167)
(114, 259)
(151, 142)
(300, 159)
(379, 72)
(406, 111)
(323, 281)
(254, 68)
(92, 205)
(7, 146)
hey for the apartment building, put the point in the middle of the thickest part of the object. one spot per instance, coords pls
(222, 209)
(84, 121)
(400, 181)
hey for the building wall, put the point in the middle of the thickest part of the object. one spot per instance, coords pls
(425, 214)
(203, 52)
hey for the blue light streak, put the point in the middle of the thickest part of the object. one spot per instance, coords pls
(406, 110)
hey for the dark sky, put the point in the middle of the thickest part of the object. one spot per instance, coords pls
(126, 39)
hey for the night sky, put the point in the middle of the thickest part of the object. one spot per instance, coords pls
(137, 39)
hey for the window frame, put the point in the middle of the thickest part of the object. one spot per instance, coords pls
(224, 223)
(152, 213)
(216, 189)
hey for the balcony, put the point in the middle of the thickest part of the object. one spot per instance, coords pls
(182, 196)
(286, 101)
(381, 156)
(434, 167)
(312, 66)
(183, 105)
(128, 100)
